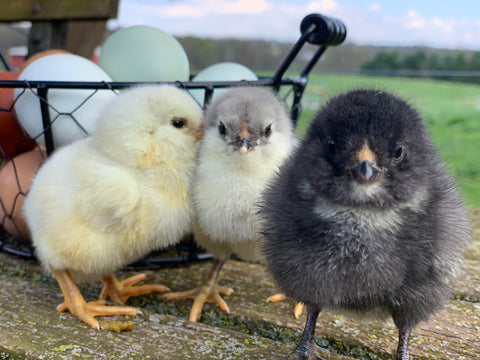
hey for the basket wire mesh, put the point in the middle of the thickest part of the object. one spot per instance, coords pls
(315, 29)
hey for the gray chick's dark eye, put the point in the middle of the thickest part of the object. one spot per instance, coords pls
(221, 129)
(179, 123)
(268, 131)
(399, 153)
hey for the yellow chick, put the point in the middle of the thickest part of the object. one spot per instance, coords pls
(247, 137)
(105, 201)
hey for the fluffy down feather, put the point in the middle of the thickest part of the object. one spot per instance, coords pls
(100, 203)
(363, 217)
(247, 137)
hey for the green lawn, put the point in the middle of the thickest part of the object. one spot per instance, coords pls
(451, 111)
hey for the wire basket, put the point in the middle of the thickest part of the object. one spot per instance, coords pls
(315, 29)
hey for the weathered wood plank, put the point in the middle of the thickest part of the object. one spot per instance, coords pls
(450, 334)
(30, 326)
(29, 10)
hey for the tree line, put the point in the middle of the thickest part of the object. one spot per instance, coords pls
(265, 56)
(420, 60)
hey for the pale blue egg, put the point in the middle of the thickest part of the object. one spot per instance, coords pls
(144, 53)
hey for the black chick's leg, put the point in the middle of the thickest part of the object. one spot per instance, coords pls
(402, 349)
(307, 349)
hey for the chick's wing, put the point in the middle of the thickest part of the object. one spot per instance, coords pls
(107, 196)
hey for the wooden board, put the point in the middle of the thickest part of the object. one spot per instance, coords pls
(46, 10)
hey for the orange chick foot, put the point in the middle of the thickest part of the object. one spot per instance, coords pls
(86, 311)
(119, 291)
(208, 293)
(297, 310)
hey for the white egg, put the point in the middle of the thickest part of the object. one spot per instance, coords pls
(73, 112)
(223, 71)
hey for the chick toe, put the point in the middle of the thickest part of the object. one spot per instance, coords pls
(78, 307)
(120, 291)
(297, 310)
(207, 293)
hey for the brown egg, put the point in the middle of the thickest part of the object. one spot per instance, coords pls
(12, 139)
(15, 180)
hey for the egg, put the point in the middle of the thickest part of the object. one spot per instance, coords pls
(12, 139)
(223, 71)
(73, 112)
(42, 54)
(144, 53)
(15, 179)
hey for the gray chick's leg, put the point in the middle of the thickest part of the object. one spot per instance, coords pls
(307, 349)
(402, 349)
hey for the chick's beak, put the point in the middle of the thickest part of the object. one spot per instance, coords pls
(243, 143)
(365, 170)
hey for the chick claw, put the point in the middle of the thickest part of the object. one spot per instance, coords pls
(208, 293)
(76, 304)
(297, 310)
(120, 291)
(86, 311)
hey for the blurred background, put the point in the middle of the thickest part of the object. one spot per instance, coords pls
(427, 51)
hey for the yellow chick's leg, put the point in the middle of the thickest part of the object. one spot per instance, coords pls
(208, 292)
(119, 291)
(85, 311)
(297, 310)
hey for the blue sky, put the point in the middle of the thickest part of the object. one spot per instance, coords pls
(441, 24)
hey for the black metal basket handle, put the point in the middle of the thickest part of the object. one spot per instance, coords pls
(323, 30)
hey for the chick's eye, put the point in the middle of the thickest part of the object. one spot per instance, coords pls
(331, 147)
(268, 131)
(399, 153)
(221, 129)
(179, 123)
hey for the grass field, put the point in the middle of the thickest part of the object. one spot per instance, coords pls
(450, 110)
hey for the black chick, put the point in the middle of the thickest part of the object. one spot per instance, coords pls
(364, 218)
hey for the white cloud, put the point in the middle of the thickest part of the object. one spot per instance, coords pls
(414, 20)
(442, 25)
(375, 7)
(272, 20)
(243, 6)
(207, 7)
(321, 6)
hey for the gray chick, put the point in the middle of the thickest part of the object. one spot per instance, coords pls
(363, 217)
(248, 134)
